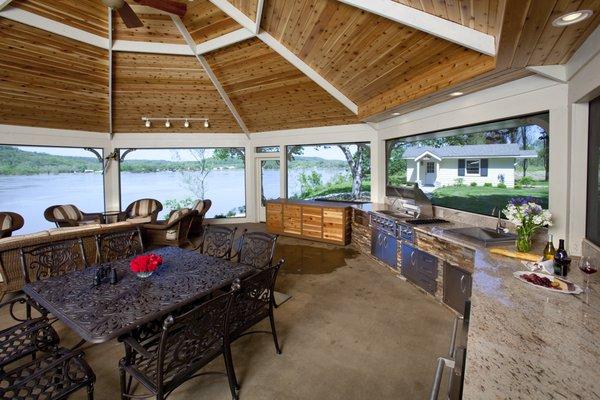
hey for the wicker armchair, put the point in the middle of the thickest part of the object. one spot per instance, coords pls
(10, 222)
(197, 227)
(69, 215)
(143, 210)
(173, 231)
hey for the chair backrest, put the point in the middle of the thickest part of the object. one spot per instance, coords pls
(10, 222)
(119, 245)
(191, 340)
(144, 208)
(52, 259)
(256, 249)
(63, 215)
(252, 302)
(218, 241)
(196, 228)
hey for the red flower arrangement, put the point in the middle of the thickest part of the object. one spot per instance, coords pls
(145, 263)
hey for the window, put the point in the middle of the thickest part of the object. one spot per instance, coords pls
(267, 149)
(178, 177)
(35, 178)
(593, 186)
(474, 168)
(335, 172)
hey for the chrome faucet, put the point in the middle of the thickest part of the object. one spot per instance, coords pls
(500, 226)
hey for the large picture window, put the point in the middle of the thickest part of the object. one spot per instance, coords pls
(178, 177)
(335, 172)
(35, 178)
(475, 168)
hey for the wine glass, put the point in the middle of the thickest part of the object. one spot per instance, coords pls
(588, 267)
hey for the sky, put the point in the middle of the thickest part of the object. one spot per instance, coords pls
(332, 153)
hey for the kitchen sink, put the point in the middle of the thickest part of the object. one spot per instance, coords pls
(485, 236)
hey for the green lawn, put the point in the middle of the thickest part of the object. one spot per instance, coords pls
(482, 200)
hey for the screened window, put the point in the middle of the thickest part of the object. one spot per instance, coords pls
(335, 172)
(178, 177)
(267, 149)
(473, 167)
(35, 178)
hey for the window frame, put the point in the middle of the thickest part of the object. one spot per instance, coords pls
(467, 160)
(427, 164)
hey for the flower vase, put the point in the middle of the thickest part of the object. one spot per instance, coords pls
(144, 275)
(523, 241)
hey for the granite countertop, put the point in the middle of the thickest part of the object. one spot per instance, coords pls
(525, 342)
(328, 204)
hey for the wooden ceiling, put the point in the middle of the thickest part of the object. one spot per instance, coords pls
(272, 94)
(380, 65)
(155, 85)
(50, 81)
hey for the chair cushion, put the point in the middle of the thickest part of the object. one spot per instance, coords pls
(143, 208)
(177, 214)
(67, 211)
(139, 220)
(198, 205)
(6, 222)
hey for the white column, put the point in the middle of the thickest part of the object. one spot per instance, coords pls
(559, 185)
(578, 176)
(378, 167)
(112, 189)
(251, 183)
(418, 168)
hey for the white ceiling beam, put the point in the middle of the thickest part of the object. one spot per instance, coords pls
(555, 72)
(211, 75)
(36, 21)
(223, 41)
(234, 13)
(431, 24)
(151, 47)
(259, 11)
(307, 70)
(4, 3)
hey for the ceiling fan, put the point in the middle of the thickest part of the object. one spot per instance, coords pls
(129, 16)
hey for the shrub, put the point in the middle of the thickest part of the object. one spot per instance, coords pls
(501, 186)
(488, 184)
(526, 181)
(459, 182)
(473, 183)
(518, 186)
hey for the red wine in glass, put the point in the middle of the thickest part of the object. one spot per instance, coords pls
(588, 269)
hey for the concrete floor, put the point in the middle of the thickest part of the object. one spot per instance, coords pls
(352, 330)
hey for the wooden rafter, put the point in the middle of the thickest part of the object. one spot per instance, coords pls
(259, 10)
(431, 24)
(4, 3)
(211, 75)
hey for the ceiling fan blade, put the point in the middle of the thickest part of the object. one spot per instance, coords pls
(169, 6)
(129, 16)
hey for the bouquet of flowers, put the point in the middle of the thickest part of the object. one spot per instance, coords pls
(145, 264)
(528, 216)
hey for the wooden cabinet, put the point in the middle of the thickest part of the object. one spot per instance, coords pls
(310, 220)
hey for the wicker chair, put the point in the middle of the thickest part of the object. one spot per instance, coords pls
(252, 303)
(143, 210)
(28, 336)
(256, 249)
(218, 241)
(163, 359)
(173, 231)
(115, 246)
(10, 222)
(197, 227)
(69, 215)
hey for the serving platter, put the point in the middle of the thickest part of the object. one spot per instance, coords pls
(566, 287)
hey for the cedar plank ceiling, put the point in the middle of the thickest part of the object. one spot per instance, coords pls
(374, 61)
(51, 81)
(88, 15)
(248, 7)
(272, 94)
(204, 21)
(165, 85)
(158, 28)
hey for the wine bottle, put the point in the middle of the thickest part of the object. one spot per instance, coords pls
(561, 259)
(549, 250)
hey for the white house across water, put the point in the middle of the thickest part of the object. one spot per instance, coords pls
(485, 163)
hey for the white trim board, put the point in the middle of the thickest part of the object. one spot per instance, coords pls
(428, 23)
(224, 40)
(151, 47)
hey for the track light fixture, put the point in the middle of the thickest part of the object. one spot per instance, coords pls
(187, 122)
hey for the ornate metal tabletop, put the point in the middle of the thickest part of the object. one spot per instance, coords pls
(104, 312)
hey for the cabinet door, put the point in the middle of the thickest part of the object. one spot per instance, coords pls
(274, 217)
(312, 222)
(389, 250)
(333, 224)
(427, 265)
(292, 219)
(457, 287)
(409, 254)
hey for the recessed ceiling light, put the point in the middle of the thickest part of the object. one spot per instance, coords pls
(395, 114)
(168, 124)
(206, 124)
(572, 17)
(455, 94)
(186, 123)
(148, 123)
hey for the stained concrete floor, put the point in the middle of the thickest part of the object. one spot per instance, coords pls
(352, 330)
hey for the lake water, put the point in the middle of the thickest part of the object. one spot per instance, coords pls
(30, 195)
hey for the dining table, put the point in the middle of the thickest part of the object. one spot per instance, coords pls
(99, 313)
